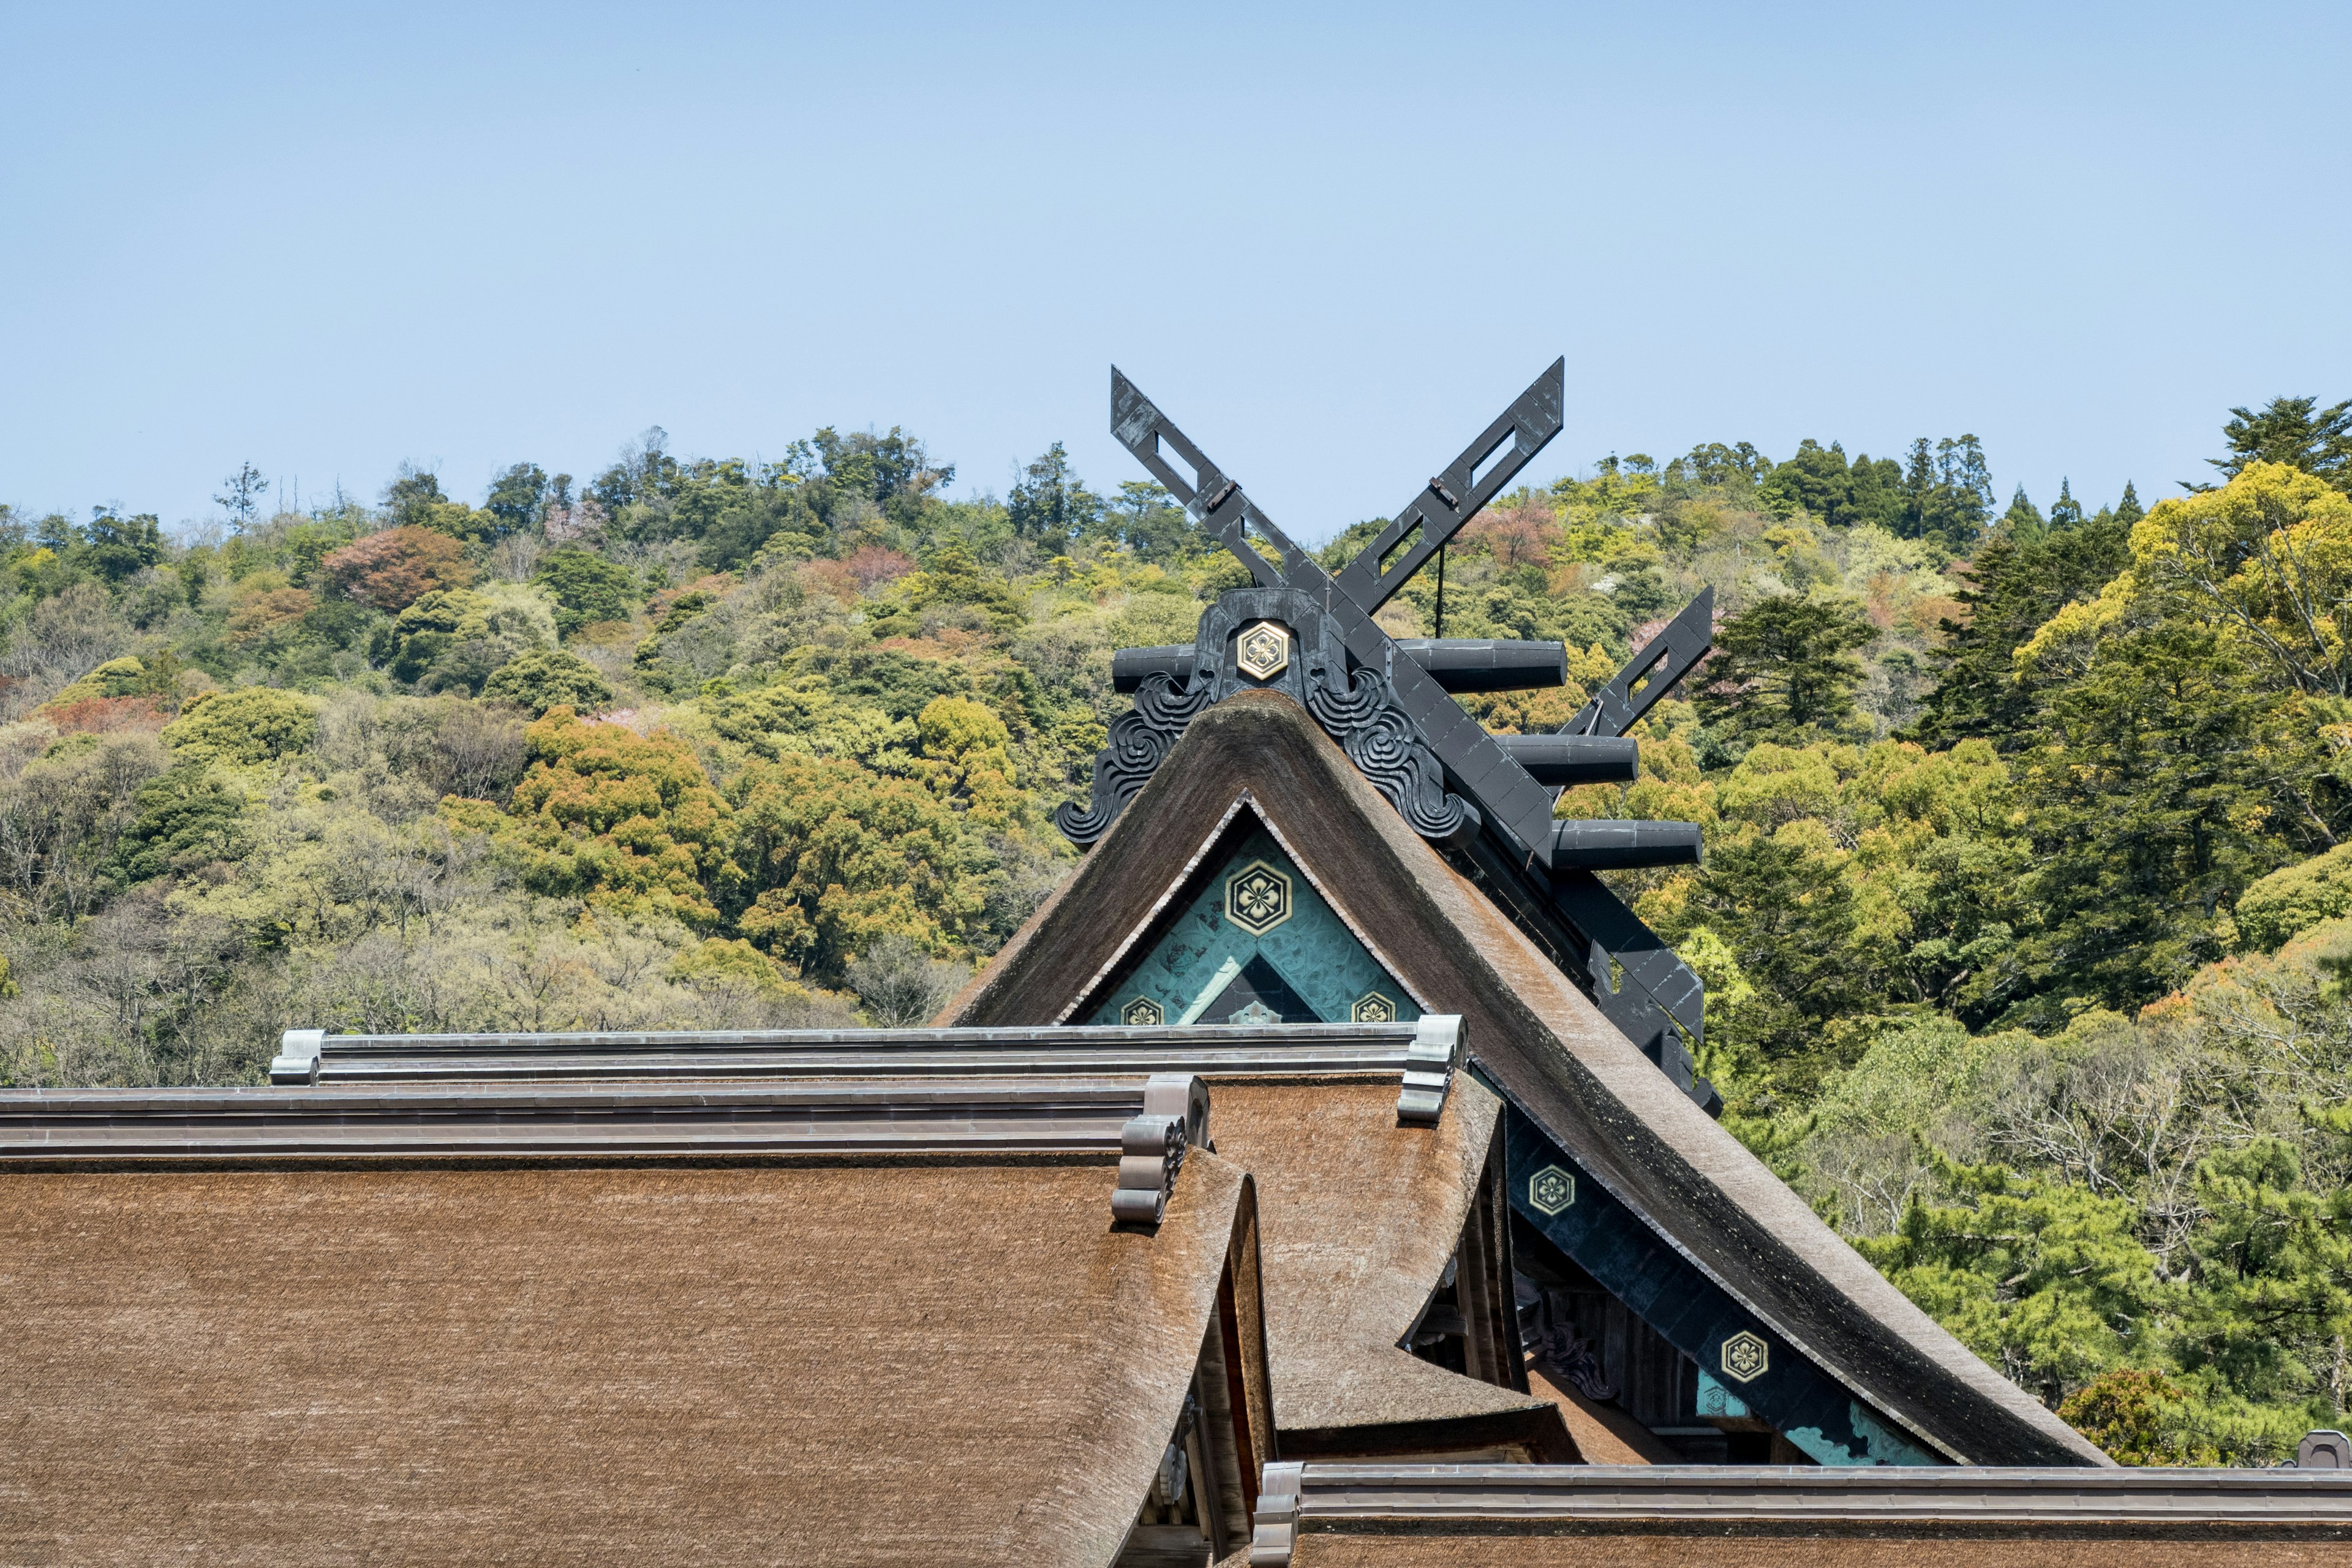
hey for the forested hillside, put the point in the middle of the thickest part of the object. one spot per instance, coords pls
(2025, 917)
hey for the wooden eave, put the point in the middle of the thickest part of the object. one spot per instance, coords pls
(1536, 1036)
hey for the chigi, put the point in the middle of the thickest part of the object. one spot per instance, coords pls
(1320, 1176)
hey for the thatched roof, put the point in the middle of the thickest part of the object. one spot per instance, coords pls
(955, 1362)
(1360, 1218)
(1535, 1034)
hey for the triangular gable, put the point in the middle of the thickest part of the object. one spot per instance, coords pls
(1250, 940)
(1751, 1245)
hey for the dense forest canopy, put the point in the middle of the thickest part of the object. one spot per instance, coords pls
(2026, 915)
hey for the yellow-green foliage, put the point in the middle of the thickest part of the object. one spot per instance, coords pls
(842, 856)
(2269, 556)
(623, 820)
(244, 728)
(840, 706)
(2288, 903)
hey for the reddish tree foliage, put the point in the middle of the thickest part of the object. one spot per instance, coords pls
(264, 613)
(392, 570)
(99, 715)
(830, 577)
(872, 564)
(1518, 535)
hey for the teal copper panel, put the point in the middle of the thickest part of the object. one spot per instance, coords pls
(1256, 906)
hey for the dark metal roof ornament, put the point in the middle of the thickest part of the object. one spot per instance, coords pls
(1386, 703)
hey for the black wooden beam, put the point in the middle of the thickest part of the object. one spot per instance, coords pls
(1456, 664)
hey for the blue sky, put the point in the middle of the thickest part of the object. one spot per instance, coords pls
(1330, 242)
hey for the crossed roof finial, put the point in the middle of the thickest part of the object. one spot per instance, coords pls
(1386, 702)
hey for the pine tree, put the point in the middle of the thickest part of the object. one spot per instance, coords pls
(2295, 431)
(2023, 518)
(1784, 670)
(2016, 585)
(2066, 511)
(1918, 491)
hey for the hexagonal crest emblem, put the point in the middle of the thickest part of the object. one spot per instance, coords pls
(1373, 1007)
(1551, 1189)
(1746, 1357)
(1263, 651)
(1142, 1011)
(1258, 898)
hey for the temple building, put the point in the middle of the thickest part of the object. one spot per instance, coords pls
(1321, 1175)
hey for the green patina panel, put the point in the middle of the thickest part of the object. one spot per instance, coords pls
(1258, 944)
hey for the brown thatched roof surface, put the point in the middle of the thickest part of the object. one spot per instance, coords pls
(878, 1364)
(1604, 1433)
(1538, 1037)
(1358, 1217)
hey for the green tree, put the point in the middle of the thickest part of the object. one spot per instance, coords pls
(412, 496)
(895, 471)
(2015, 583)
(542, 679)
(843, 856)
(586, 587)
(2274, 1259)
(120, 547)
(1784, 669)
(2041, 1278)
(188, 817)
(2137, 1416)
(2295, 431)
(628, 822)
(2065, 512)
(241, 495)
(1146, 519)
(1946, 493)
(1713, 463)
(2160, 783)
(2269, 556)
(1782, 904)
(2023, 518)
(1876, 493)
(1816, 479)
(243, 728)
(516, 497)
(1050, 505)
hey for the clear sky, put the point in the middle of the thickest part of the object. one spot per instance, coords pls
(1331, 243)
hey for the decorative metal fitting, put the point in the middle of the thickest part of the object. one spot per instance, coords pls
(1258, 898)
(1263, 651)
(1429, 1064)
(1746, 1357)
(1551, 1189)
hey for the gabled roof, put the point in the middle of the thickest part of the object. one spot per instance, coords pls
(1360, 1216)
(1372, 1149)
(929, 1345)
(1531, 1032)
